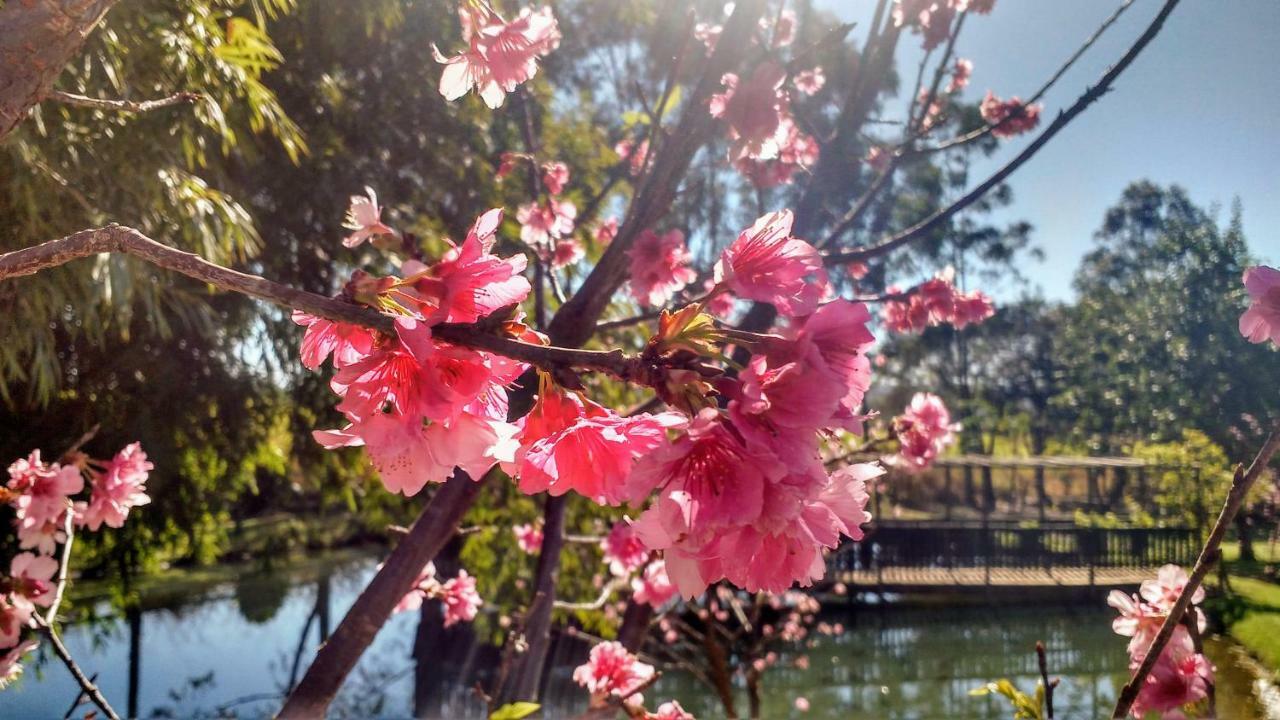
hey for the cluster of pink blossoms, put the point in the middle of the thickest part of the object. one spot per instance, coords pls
(528, 537)
(422, 407)
(500, 55)
(548, 226)
(457, 595)
(923, 430)
(1181, 675)
(611, 671)
(660, 267)
(41, 497)
(1261, 322)
(1009, 117)
(743, 494)
(567, 442)
(623, 551)
(936, 302)
(757, 112)
(933, 18)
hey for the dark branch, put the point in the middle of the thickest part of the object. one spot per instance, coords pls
(1090, 96)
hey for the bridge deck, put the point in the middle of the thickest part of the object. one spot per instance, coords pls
(903, 579)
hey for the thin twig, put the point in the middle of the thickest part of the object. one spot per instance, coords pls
(1240, 486)
(127, 106)
(60, 588)
(988, 128)
(1047, 684)
(608, 590)
(85, 683)
(79, 699)
(1090, 96)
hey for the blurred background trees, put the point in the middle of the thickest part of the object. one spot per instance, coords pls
(307, 101)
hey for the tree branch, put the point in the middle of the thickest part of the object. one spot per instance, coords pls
(37, 40)
(339, 654)
(988, 128)
(86, 685)
(125, 106)
(128, 241)
(1240, 486)
(940, 217)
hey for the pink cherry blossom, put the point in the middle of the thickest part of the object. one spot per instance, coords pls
(802, 704)
(43, 537)
(746, 503)
(13, 618)
(754, 110)
(364, 219)
(659, 266)
(567, 252)
(555, 175)
(11, 662)
(960, 74)
(816, 380)
(780, 27)
(857, 270)
(461, 601)
(653, 587)
(423, 587)
(1261, 322)
(624, 552)
(500, 55)
(924, 430)
(347, 343)
(606, 231)
(408, 455)
(634, 153)
(611, 670)
(1009, 117)
(468, 282)
(935, 302)
(810, 81)
(767, 264)
(1179, 677)
(528, 537)
(118, 488)
(43, 490)
(930, 18)
(569, 443)
(797, 154)
(877, 158)
(669, 710)
(1164, 590)
(708, 34)
(720, 304)
(31, 580)
(540, 223)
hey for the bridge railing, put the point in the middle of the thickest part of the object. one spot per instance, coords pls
(998, 545)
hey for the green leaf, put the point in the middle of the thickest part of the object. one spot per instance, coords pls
(515, 711)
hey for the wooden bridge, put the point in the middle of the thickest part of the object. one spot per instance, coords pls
(931, 556)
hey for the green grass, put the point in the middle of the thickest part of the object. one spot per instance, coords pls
(1258, 625)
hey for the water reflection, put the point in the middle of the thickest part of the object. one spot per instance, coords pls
(234, 649)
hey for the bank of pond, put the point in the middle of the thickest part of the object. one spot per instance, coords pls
(230, 646)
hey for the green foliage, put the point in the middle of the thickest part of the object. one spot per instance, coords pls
(1188, 495)
(1025, 707)
(1153, 344)
(515, 711)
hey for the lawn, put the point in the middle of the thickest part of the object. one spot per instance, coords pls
(1258, 625)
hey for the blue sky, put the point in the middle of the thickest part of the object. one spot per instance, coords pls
(1200, 107)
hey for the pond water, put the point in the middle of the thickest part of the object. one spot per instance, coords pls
(230, 649)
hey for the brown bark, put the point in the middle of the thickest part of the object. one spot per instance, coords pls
(339, 655)
(37, 40)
